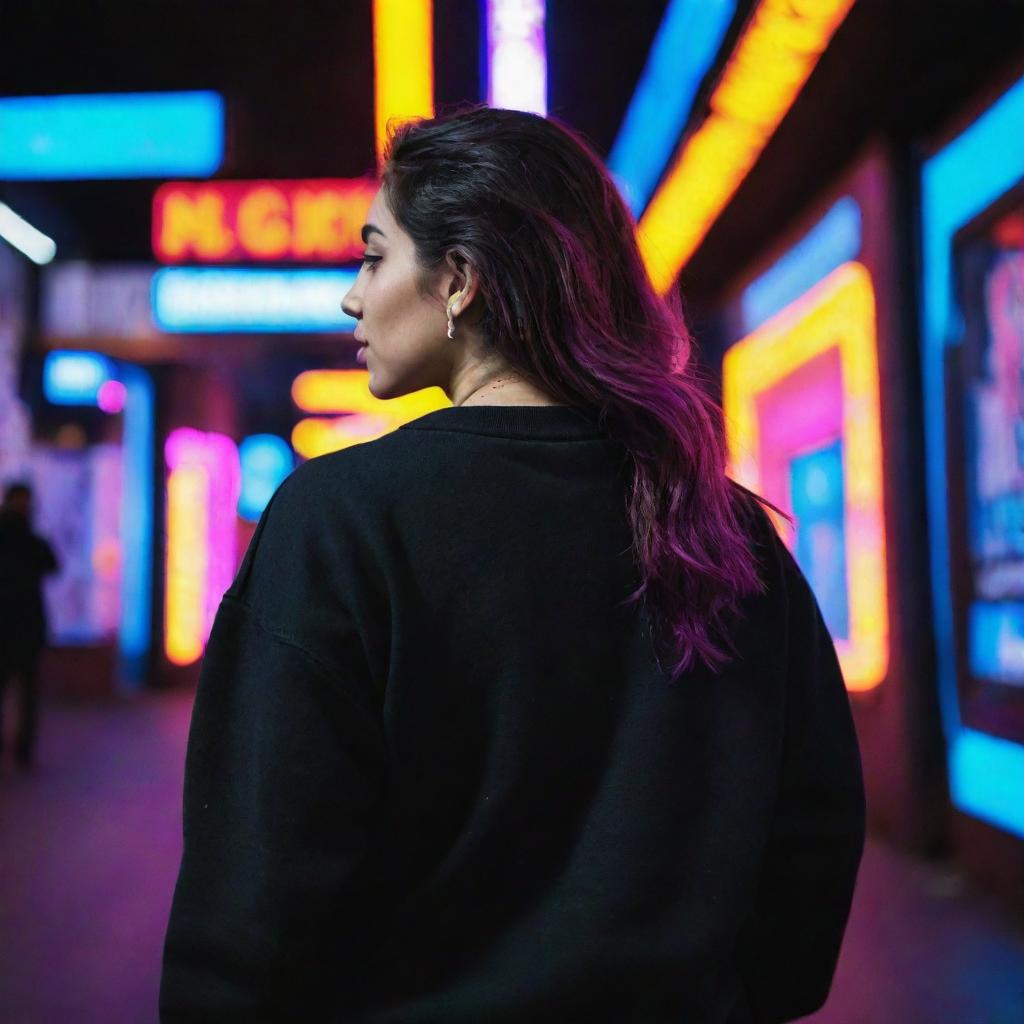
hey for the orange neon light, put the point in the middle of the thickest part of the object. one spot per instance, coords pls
(366, 417)
(315, 220)
(773, 59)
(839, 312)
(187, 553)
(203, 485)
(403, 54)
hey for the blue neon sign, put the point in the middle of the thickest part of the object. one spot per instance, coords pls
(833, 241)
(266, 460)
(687, 41)
(964, 178)
(75, 378)
(212, 300)
(112, 135)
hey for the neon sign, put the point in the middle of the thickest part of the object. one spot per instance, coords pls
(203, 485)
(348, 413)
(801, 402)
(403, 62)
(310, 221)
(111, 135)
(967, 176)
(776, 54)
(220, 300)
(517, 63)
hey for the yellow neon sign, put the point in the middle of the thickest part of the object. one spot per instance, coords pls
(839, 312)
(366, 417)
(403, 54)
(187, 553)
(774, 57)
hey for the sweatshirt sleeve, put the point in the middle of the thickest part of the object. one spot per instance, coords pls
(790, 947)
(284, 772)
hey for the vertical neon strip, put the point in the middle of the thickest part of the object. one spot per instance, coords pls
(188, 510)
(688, 40)
(135, 635)
(225, 467)
(967, 176)
(403, 54)
(517, 62)
(202, 496)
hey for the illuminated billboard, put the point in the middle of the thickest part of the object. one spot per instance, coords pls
(973, 335)
(801, 401)
(308, 221)
(111, 135)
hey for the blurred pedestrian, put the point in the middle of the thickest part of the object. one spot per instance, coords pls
(25, 558)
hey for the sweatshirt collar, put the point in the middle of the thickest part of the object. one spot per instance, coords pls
(539, 422)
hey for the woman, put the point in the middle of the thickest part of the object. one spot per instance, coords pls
(439, 768)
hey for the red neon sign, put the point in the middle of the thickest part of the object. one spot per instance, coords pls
(307, 221)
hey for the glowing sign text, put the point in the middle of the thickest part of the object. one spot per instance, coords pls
(309, 221)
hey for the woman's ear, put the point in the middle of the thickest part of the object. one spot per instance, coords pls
(460, 281)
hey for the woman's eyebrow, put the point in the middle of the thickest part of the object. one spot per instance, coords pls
(368, 230)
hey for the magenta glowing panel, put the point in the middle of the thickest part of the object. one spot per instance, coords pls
(203, 484)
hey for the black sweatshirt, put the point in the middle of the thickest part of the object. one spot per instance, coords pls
(435, 775)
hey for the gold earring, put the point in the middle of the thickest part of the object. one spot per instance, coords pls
(451, 322)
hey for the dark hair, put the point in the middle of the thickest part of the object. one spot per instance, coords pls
(568, 304)
(16, 487)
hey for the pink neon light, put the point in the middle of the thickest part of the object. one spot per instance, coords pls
(802, 411)
(517, 63)
(111, 395)
(218, 456)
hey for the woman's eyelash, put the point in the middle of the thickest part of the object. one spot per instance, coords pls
(367, 258)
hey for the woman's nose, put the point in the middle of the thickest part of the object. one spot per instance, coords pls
(349, 306)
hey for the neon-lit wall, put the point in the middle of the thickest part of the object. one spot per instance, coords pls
(77, 501)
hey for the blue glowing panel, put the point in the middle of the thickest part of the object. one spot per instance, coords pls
(816, 496)
(113, 135)
(833, 241)
(684, 48)
(266, 460)
(970, 174)
(991, 287)
(135, 634)
(987, 779)
(212, 300)
(996, 641)
(75, 378)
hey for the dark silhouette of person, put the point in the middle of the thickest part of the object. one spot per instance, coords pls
(25, 558)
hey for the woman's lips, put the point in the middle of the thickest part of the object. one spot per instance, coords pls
(361, 354)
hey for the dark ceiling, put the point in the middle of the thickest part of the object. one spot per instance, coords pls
(298, 79)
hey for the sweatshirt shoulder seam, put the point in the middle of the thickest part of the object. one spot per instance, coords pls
(330, 671)
(330, 674)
